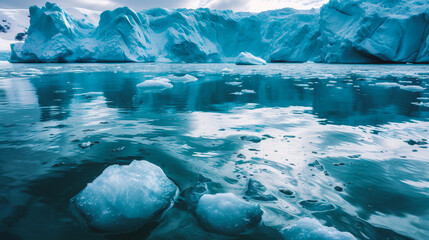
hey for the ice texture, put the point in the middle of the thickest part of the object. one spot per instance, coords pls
(246, 58)
(308, 228)
(227, 214)
(124, 198)
(352, 31)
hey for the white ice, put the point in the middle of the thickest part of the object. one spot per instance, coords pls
(246, 58)
(156, 83)
(124, 198)
(184, 79)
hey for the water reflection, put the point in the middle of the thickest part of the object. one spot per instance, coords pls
(359, 133)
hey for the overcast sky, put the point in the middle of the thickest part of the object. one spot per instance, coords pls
(236, 5)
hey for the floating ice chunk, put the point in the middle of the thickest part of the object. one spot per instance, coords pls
(124, 198)
(118, 149)
(258, 191)
(233, 83)
(412, 88)
(307, 228)
(191, 196)
(244, 91)
(246, 58)
(251, 138)
(248, 91)
(316, 206)
(388, 84)
(156, 83)
(426, 104)
(88, 144)
(227, 70)
(186, 78)
(226, 213)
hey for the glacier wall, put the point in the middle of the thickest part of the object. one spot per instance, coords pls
(342, 31)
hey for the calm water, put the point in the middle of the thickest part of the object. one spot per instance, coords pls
(368, 138)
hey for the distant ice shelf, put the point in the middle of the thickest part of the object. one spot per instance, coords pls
(353, 31)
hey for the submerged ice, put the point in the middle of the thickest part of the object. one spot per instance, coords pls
(228, 214)
(124, 198)
(353, 31)
(308, 228)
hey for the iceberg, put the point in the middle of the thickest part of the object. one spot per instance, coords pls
(308, 228)
(227, 214)
(352, 31)
(156, 83)
(183, 79)
(124, 198)
(246, 58)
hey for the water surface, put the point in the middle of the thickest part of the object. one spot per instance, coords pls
(369, 139)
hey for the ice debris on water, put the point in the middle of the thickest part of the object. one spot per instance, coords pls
(258, 191)
(87, 144)
(286, 192)
(184, 79)
(118, 149)
(316, 205)
(156, 83)
(248, 91)
(123, 198)
(412, 142)
(250, 138)
(233, 83)
(227, 214)
(309, 228)
(317, 165)
(410, 88)
(192, 195)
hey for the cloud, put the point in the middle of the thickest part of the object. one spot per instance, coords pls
(97, 3)
(237, 5)
(137, 5)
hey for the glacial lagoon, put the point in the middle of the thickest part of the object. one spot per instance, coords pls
(344, 144)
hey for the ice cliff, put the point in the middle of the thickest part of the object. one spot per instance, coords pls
(342, 31)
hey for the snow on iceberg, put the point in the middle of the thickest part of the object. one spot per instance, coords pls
(353, 31)
(124, 198)
(308, 228)
(246, 58)
(156, 83)
(228, 214)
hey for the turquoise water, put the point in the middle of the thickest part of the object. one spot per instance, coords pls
(369, 140)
